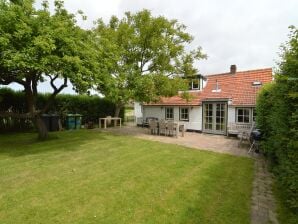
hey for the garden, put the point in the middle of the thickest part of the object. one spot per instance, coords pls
(91, 177)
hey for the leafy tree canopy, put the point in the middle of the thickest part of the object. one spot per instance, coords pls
(36, 45)
(144, 57)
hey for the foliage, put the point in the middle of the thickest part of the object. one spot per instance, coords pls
(143, 57)
(37, 45)
(94, 177)
(277, 116)
(91, 107)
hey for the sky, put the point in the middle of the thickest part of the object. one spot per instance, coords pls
(241, 32)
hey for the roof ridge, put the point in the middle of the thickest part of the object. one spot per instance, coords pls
(246, 71)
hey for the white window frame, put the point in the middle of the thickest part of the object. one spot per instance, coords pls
(192, 84)
(249, 115)
(167, 113)
(183, 113)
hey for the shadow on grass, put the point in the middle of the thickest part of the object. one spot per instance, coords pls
(22, 144)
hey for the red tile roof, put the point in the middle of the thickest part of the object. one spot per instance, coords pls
(236, 87)
(178, 101)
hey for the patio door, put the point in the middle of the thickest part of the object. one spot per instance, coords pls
(215, 117)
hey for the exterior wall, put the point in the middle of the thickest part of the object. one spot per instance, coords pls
(195, 115)
(154, 111)
(138, 110)
(231, 114)
(195, 119)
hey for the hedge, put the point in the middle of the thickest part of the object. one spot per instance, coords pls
(277, 117)
(91, 107)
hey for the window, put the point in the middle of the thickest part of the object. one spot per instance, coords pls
(194, 84)
(243, 115)
(169, 113)
(184, 114)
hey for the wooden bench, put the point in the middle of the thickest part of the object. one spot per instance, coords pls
(235, 129)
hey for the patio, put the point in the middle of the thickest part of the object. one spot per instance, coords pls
(209, 142)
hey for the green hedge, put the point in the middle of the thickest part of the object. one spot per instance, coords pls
(277, 117)
(91, 107)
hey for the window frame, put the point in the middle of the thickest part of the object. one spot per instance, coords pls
(253, 114)
(249, 109)
(166, 113)
(192, 84)
(181, 113)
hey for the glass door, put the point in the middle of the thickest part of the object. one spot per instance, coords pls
(214, 117)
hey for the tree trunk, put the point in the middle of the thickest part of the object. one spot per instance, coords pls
(117, 110)
(41, 128)
(36, 118)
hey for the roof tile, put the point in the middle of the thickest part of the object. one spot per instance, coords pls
(237, 87)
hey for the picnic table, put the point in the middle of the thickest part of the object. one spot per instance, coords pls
(107, 119)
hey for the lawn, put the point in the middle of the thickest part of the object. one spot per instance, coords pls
(92, 177)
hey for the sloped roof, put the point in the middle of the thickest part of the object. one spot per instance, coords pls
(237, 87)
(178, 101)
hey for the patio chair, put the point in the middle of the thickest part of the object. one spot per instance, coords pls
(153, 128)
(172, 128)
(162, 127)
(244, 135)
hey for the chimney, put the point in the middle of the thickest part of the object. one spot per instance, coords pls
(233, 69)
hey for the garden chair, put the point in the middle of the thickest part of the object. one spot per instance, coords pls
(172, 128)
(153, 128)
(244, 135)
(162, 127)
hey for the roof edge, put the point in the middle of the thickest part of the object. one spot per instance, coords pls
(246, 71)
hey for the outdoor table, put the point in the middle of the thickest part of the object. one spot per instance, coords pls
(114, 119)
(179, 128)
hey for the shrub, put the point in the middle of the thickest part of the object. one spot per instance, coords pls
(91, 107)
(277, 117)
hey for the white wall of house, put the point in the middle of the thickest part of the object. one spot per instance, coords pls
(231, 114)
(195, 119)
(138, 110)
(153, 111)
(195, 115)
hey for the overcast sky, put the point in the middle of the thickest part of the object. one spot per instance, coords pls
(241, 32)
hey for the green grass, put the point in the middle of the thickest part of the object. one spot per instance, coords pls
(92, 177)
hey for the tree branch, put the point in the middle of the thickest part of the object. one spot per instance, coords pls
(51, 98)
(6, 80)
(52, 81)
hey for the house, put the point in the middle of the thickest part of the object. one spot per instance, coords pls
(217, 101)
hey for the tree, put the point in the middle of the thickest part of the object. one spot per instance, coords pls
(144, 57)
(36, 46)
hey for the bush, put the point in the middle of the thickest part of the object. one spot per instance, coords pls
(91, 107)
(277, 117)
